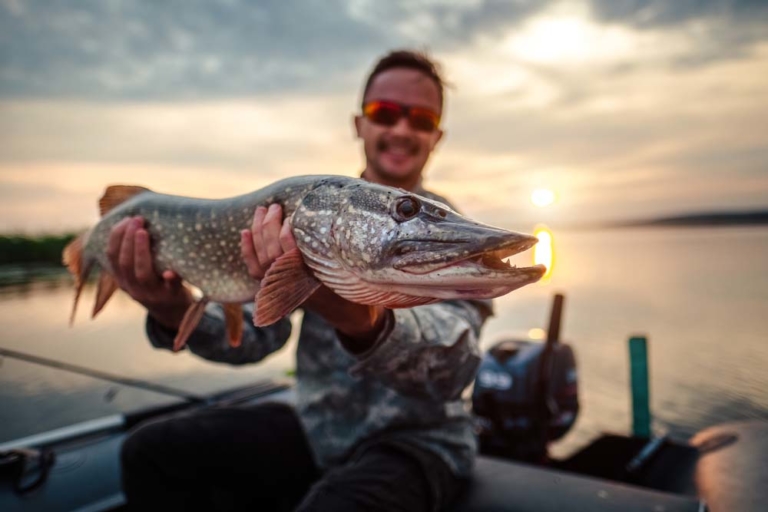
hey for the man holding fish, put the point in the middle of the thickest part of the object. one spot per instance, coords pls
(379, 422)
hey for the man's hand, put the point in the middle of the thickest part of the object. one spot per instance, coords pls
(270, 237)
(130, 256)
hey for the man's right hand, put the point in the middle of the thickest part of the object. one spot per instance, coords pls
(129, 254)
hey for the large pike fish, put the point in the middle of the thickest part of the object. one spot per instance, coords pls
(369, 243)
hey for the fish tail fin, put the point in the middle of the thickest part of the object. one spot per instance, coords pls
(118, 194)
(73, 258)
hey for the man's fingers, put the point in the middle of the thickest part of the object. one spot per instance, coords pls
(257, 237)
(142, 259)
(170, 276)
(115, 242)
(171, 280)
(249, 255)
(125, 259)
(271, 232)
(287, 242)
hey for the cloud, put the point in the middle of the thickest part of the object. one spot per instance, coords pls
(720, 29)
(193, 49)
(584, 113)
(654, 13)
(125, 50)
(243, 134)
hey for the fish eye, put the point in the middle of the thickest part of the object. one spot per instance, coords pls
(406, 208)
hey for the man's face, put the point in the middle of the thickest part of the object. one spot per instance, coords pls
(398, 153)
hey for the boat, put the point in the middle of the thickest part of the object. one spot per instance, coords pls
(524, 397)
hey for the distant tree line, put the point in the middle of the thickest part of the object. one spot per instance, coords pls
(26, 250)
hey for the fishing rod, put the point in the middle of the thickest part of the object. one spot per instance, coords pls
(117, 379)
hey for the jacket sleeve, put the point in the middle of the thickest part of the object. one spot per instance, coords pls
(428, 351)
(209, 340)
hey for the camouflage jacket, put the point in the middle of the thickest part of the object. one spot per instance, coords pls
(407, 387)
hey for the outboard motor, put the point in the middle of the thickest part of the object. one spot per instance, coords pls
(526, 395)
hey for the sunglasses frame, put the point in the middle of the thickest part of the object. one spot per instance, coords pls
(403, 111)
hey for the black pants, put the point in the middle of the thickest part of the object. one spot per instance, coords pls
(258, 458)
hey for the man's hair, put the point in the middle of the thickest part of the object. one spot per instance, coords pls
(409, 59)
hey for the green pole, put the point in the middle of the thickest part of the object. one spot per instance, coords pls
(638, 366)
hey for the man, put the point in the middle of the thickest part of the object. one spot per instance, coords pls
(379, 423)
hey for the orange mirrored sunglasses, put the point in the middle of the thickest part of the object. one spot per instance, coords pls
(388, 113)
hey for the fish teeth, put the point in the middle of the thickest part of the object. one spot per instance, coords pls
(508, 262)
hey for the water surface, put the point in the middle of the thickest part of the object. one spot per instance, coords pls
(699, 295)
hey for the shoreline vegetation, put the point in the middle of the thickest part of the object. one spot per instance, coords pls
(28, 259)
(696, 220)
(752, 218)
(33, 250)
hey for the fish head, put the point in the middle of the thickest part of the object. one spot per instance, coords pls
(368, 239)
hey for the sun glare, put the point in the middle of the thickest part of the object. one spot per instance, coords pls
(550, 40)
(542, 197)
(543, 251)
(568, 38)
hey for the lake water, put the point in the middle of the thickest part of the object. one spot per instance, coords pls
(699, 295)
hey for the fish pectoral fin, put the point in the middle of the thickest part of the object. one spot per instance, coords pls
(118, 194)
(188, 323)
(104, 290)
(286, 285)
(233, 313)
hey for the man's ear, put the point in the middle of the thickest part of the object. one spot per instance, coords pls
(358, 122)
(437, 137)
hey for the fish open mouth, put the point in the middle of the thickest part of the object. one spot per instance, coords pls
(485, 262)
(497, 260)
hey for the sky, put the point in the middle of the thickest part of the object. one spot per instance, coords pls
(623, 109)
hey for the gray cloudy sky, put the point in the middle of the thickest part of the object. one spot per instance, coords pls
(622, 108)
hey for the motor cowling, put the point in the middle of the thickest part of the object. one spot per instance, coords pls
(525, 396)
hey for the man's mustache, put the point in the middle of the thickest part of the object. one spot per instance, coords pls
(408, 145)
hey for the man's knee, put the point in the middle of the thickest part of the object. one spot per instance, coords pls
(330, 494)
(142, 443)
(381, 479)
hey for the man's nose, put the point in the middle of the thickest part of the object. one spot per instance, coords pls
(402, 127)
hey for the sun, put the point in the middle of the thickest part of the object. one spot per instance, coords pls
(542, 197)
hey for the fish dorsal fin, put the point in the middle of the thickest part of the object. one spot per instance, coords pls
(118, 194)
(286, 285)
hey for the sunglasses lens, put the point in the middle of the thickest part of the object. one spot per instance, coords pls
(388, 114)
(383, 113)
(422, 120)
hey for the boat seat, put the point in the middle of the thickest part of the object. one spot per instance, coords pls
(513, 487)
(732, 473)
